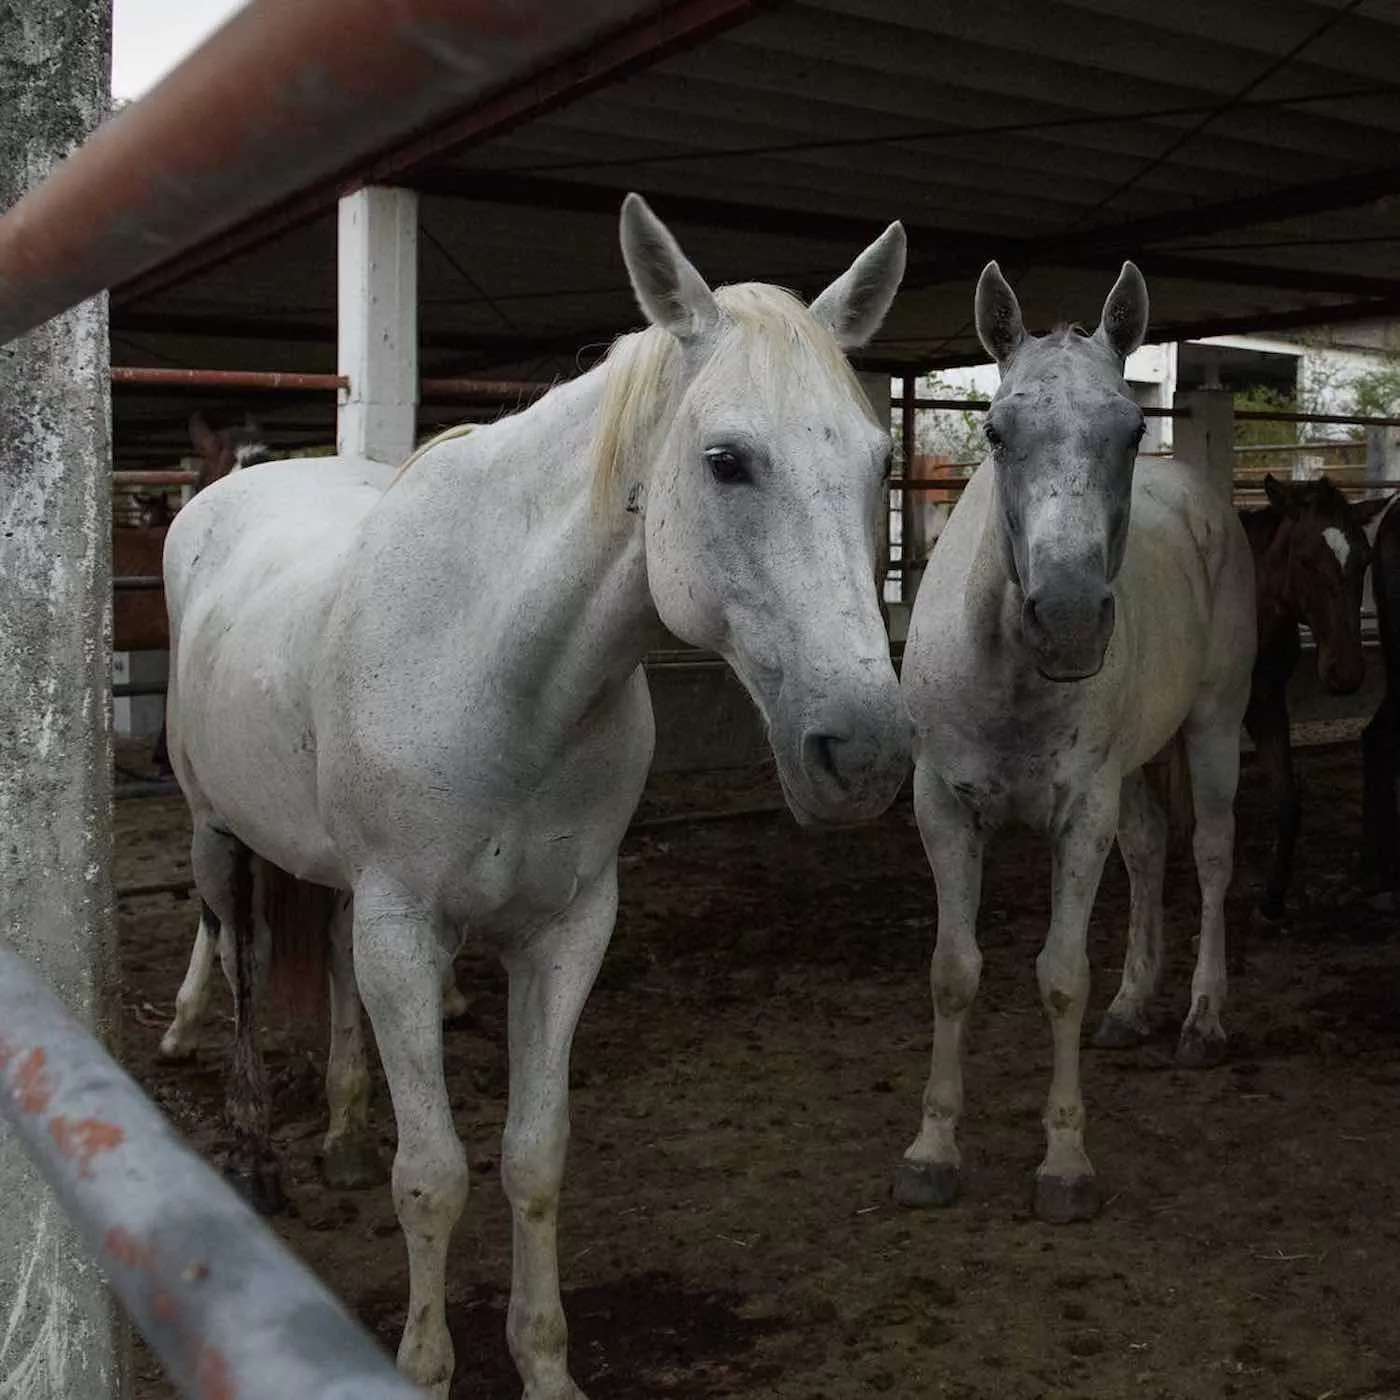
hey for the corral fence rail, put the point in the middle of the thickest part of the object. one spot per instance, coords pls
(227, 1307)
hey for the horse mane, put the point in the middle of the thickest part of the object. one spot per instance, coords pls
(455, 431)
(641, 374)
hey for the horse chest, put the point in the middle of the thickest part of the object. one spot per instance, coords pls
(1013, 759)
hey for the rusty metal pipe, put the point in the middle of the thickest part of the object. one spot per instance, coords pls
(121, 480)
(227, 1308)
(141, 377)
(287, 94)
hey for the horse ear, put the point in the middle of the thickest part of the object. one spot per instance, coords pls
(853, 307)
(205, 439)
(999, 324)
(671, 293)
(1280, 497)
(1124, 321)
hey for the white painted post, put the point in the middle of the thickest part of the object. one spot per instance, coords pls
(1206, 435)
(378, 323)
(61, 1335)
(1383, 454)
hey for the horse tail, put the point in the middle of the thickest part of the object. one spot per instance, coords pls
(299, 916)
(1169, 777)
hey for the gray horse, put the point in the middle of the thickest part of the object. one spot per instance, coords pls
(1083, 612)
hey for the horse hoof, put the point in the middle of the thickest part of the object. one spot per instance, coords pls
(925, 1185)
(353, 1164)
(1199, 1049)
(1065, 1200)
(1114, 1033)
(259, 1183)
(174, 1052)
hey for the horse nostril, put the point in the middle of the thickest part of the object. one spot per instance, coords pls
(1030, 613)
(1106, 611)
(823, 756)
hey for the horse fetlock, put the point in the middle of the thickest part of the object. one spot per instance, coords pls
(1203, 1041)
(253, 1172)
(352, 1162)
(425, 1352)
(180, 1041)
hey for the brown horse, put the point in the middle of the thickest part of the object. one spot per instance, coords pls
(139, 620)
(138, 616)
(1310, 560)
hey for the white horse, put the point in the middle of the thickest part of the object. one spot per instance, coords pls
(431, 697)
(1079, 613)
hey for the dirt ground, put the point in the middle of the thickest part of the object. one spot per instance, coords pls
(748, 1073)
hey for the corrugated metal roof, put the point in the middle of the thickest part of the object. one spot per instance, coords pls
(1246, 154)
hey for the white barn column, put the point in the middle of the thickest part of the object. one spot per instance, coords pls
(61, 1335)
(378, 323)
(1206, 435)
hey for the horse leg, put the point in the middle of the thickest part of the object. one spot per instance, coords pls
(181, 1039)
(1142, 838)
(454, 1004)
(551, 975)
(160, 751)
(1267, 723)
(1213, 754)
(224, 871)
(1065, 1188)
(1380, 820)
(929, 1173)
(397, 953)
(350, 1159)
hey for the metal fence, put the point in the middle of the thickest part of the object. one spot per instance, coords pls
(226, 1307)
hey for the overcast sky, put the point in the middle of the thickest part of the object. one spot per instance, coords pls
(149, 37)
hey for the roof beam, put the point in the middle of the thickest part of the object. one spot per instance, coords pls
(960, 253)
(651, 35)
(263, 109)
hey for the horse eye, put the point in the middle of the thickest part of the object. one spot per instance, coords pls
(726, 465)
(993, 436)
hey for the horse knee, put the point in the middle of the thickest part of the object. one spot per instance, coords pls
(430, 1190)
(954, 975)
(1063, 981)
(532, 1168)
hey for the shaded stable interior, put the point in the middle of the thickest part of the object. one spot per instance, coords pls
(1245, 156)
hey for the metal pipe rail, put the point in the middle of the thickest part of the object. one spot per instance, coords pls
(265, 109)
(227, 1308)
(154, 478)
(141, 377)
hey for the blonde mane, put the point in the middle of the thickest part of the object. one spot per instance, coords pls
(457, 430)
(780, 336)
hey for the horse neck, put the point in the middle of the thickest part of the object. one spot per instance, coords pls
(582, 562)
(1274, 604)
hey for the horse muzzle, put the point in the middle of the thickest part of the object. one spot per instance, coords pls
(846, 762)
(1067, 623)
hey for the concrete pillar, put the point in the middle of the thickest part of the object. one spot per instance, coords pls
(1383, 454)
(61, 1337)
(1206, 435)
(378, 323)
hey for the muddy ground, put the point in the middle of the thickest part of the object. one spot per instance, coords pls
(748, 1072)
